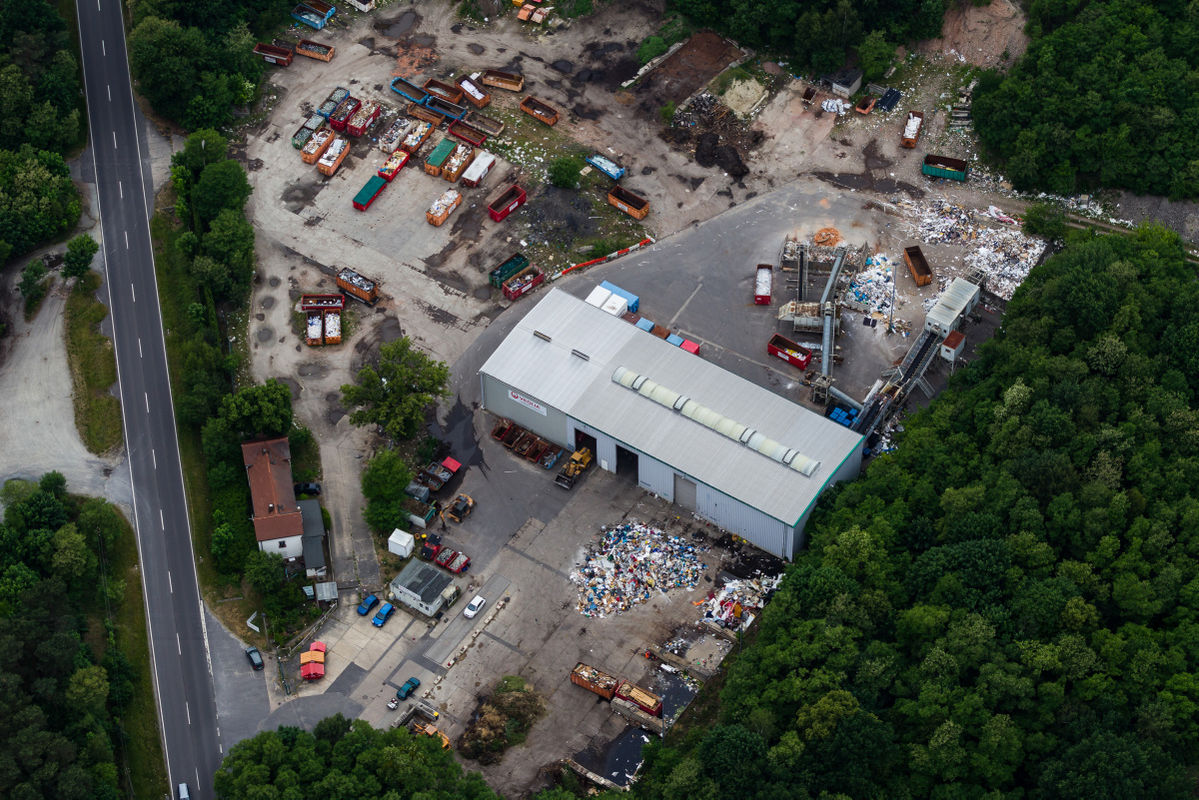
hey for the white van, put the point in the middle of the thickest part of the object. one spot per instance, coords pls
(183, 793)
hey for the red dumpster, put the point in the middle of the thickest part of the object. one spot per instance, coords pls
(512, 198)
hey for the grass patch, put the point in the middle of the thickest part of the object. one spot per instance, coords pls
(722, 82)
(34, 300)
(305, 456)
(145, 773)
(93, 368)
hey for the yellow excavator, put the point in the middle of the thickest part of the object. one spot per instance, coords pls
(579, 461)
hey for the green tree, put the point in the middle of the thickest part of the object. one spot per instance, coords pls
(230, 242)
(80, 252)
(564, 171)
(875, 54)
(396, 391)
(37, 199)
(88, 689)
(167, 59)
(383, 483)
(221, 186)
(31, 286)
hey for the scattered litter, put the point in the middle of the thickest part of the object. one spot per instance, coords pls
(1004, 255)
(630, 562)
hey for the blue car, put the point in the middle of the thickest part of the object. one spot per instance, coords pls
(408, 688)
(382, 614)
(365, 607)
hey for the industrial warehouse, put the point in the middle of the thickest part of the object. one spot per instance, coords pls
(697, 435)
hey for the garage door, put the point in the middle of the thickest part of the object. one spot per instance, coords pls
(684, 492)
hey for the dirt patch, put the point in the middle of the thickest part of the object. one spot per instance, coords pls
(560, 217)
(709, 152)
(688, 68)
(415, 54)
(988, 36)
(743, 95)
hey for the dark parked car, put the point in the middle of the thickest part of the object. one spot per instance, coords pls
(367, 604)
(408, 688)
(307, 488)
(255, 658)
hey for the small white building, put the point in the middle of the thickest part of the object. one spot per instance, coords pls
(421, 586)
(953, 345)
(400, 543)
(956, 302)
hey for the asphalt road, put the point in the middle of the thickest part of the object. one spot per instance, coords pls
(178, 643)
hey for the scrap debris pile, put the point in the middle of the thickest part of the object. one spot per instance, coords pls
(1004, 255)
(872, 289)
(630, 562)
(735, 603)
(836, 106)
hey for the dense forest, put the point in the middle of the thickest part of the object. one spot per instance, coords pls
(194, 61)
(63, 685)
(816, 34)
(1005, 606)
(41, 119)
(340, 759)
(1106, 96)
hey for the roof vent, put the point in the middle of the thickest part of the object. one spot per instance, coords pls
(702, 415)
(545, 337)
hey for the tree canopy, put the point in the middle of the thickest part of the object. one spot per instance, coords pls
(1003, 606)
(40, 96)
(1106, 95)
(817, 34)
(61, 698)
(37, 199)
(397, 391)
(345, 759)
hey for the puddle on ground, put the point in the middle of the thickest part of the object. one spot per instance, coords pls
(397, 26)
(476, 48)
(264, 335)
(267, 302)
(563, 66)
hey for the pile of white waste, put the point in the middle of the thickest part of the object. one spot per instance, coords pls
(835, 105)
(629, 564)
(1005, 255)
(873, 289)
(733, 603)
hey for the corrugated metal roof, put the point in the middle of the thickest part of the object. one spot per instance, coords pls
(952, 303)
(555, 373)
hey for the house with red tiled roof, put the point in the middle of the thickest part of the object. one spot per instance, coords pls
(278, 525)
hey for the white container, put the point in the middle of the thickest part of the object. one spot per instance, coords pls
(401, 543)
(599, 295)
(616, 305)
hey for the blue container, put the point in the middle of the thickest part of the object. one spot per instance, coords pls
(631, 299)
(675, 339)
(645, 325)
